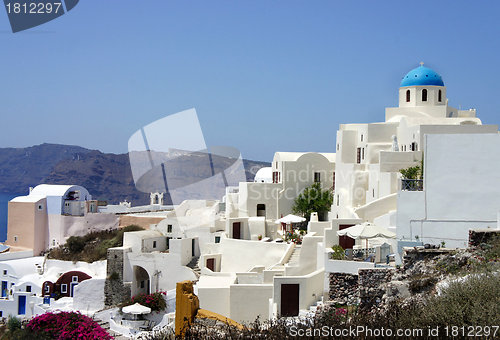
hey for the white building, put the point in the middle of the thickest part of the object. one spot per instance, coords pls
(370, 156)
(22, 280)
(460, 191)
(364, 174)
(253, 207)
(50, 214)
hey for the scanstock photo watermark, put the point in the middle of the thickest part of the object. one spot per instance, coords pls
(26, 14)
(364, 332)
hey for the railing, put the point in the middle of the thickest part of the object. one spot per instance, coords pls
(412, 184)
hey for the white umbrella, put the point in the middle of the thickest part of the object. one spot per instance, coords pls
(366, 230)
(290, 219)
(136, 309)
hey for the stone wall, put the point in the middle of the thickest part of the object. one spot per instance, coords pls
(476, 237)
(371, 284)
(411, 256)
(343, 289)
(115, 290)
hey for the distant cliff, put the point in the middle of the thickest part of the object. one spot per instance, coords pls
(107, 176)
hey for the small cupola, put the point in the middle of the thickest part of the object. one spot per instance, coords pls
(422, 86)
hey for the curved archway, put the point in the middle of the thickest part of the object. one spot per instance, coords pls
(407, 96)
(142, 282)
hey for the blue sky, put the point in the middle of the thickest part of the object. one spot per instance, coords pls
(264, 76)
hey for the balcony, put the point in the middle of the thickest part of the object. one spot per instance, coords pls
(412, 184)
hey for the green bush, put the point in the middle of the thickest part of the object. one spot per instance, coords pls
(75, 244)
(13, 323)
(91, 247)
(338, 253)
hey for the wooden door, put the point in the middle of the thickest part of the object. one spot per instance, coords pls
(211, 264)
(290, 299)
(237, 230)
(345, 241)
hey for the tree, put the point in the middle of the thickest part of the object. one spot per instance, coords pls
(313, 199)
(413, 172)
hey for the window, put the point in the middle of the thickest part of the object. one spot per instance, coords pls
(407, 96)
(439, 96)
(317, 177)
(358, 156)
(169, 228)
(363, 153)
(15, 238)
(47, 289)
(338, 200)
(154, 244)
(217, 239)
(168, 242)
(361, 137)
(373, 192)
(74, 278)
(424, 95)
(5, 272)
(261, 210)
(53, 242)
(28, 289)
(40, 207)
(337, 146)
(64, 288)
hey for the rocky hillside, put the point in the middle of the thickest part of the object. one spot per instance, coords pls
(107, 176)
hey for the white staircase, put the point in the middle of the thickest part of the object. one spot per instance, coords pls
(311, 312)
(294, 258)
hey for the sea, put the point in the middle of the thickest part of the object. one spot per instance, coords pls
(4, 200)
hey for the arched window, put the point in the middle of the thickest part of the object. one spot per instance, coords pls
(407, 96)
(424, 95)
(439, 96)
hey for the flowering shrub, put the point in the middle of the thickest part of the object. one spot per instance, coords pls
(294, 237)
(155, 301)
(66, 326)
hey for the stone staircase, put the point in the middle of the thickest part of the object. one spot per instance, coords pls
(195, 267)
(294, 258)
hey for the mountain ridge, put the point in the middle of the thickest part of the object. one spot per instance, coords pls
(107, 176)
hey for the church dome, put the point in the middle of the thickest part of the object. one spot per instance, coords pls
(421, 76)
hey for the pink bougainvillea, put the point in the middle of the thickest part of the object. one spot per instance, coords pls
(155, 301)
(68, 325)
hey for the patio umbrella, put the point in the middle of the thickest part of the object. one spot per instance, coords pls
(365, 231)
(136, 309)
(290, 219)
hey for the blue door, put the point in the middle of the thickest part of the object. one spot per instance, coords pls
(4, 288)
(21, 306)
(73, 285)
